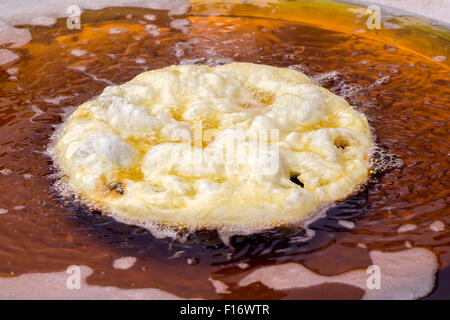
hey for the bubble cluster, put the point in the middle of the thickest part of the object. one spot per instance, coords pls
(383, 160)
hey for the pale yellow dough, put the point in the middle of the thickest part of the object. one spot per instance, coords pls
(126, 151)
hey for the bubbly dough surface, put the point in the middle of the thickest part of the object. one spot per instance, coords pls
(135, 151)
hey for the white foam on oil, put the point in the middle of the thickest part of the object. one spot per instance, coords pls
(212, 62)
(124, 263)
(46, 12)
(118, 30)
(408, 274)
(15, 37)
(12, 71)
(383, 160)
(43, 21)
(219, 286)
(38, 286)
(7, 57)
(5, 172)
(347, 224)
(438, 226)
(226, 233)
(3, 211)
(243, 265)
(152, 29)
(78, 52)
(406, 228)
(439, 58)
(177, 254)
(345, 89)
(37, 112)
(192, 261)
(23, 13)
(336, 80)
(181, 24)
(56, 100)
(150, 17)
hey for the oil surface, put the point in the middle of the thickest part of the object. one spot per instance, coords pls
(404, 94)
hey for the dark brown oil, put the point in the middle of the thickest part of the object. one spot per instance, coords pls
(403, 92)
